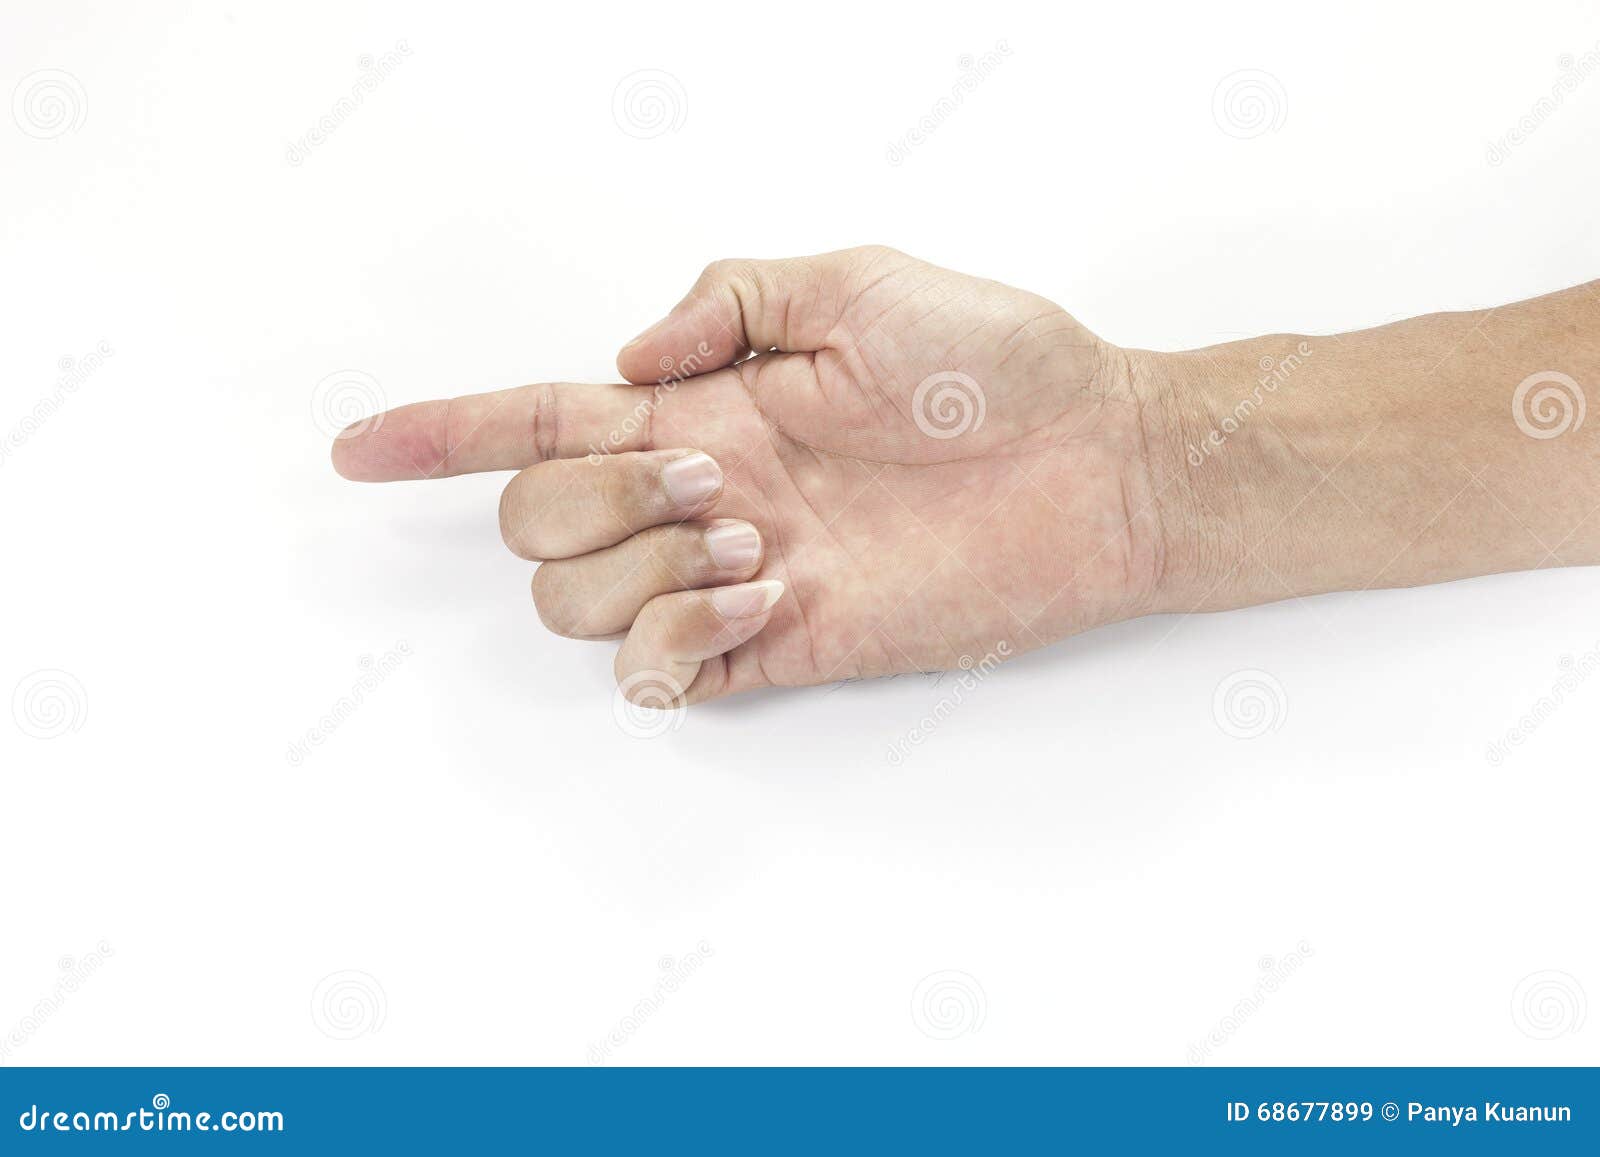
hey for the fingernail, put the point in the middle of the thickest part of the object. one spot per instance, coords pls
(691, 480)
(733, 545)
(747, 599)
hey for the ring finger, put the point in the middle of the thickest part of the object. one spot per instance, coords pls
(600, 594)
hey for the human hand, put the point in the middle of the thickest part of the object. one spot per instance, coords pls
(916, 469)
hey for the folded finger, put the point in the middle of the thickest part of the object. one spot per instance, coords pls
(599, 595)
(675, 634)
(573, 506)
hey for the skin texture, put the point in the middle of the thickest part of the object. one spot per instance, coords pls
(858, 464)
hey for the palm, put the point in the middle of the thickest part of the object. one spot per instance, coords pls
(918, 528)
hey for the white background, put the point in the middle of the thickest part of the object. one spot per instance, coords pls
(507, 868)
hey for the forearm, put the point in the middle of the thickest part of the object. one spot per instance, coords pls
(1388, 457)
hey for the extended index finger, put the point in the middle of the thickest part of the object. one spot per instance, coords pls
(504, 430)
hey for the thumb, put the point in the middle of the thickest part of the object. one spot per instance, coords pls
(742, 305)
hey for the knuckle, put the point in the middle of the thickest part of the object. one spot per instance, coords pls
(546, 422)
(552, 599)
(628, 487)
(510, 520)
(733, 273)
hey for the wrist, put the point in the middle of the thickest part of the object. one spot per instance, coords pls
(1292, 465)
